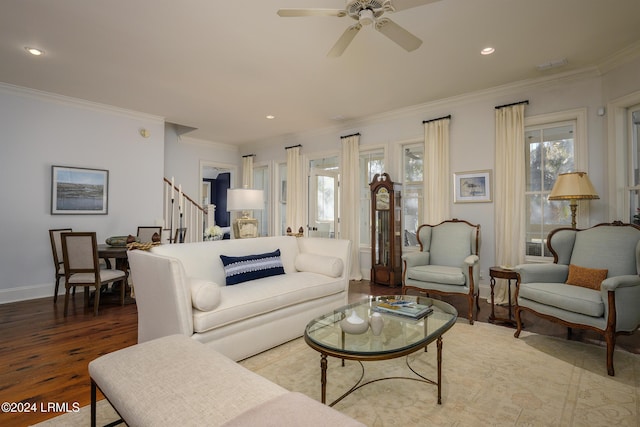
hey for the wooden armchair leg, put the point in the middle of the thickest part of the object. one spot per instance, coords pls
(610, 338)
(518, 323)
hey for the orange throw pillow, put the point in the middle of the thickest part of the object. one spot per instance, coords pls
(586, 277)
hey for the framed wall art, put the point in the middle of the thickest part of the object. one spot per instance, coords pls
(79, 191)
(472, 187)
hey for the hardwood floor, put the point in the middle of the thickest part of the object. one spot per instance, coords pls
(44, 356)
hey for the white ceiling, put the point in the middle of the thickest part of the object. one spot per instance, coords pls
(222, 66)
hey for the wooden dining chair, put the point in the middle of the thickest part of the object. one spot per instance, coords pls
(181, 233)
(56, 250)
(145, 233)
(82, 267)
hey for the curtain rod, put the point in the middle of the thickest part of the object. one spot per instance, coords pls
(511, 105)
(349, 136)
(439, 118)
(293, 146)
(249, 155)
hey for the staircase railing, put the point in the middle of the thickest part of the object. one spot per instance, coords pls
(193, 216)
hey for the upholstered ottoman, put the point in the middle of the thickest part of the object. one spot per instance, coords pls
(176, 380)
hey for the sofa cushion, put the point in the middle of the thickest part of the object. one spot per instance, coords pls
(205, 295)
(586, 277)
(257, 297)
(437, 274)
(244, 268)
(327, 265)
(566, 297)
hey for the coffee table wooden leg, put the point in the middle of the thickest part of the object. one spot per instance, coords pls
(439, 345)
(323, 377)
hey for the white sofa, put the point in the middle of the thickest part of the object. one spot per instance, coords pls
(180, 289)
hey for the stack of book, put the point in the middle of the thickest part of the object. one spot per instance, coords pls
(404, 308)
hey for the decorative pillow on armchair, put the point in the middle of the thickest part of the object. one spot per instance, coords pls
(586, 277)
(251, 267)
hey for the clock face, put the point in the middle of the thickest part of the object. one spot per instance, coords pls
(382, 200)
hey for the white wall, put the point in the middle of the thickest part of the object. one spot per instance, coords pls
(472, 140)
(184, 155)
(39, 130)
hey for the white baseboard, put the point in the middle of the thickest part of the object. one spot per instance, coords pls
(30, 292)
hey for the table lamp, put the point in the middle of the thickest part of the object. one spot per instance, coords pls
(573, 186)
(245, 200)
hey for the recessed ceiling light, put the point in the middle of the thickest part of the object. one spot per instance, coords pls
(270, 116)
(34, 51)
(487, 51)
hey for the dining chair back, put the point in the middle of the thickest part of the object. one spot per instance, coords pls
(145, 233)
(181, 234)
(56, 250)
(82, 267)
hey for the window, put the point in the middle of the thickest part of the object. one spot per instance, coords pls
(549, 151)
(371, 163)
(412, 192)
(323, 199)
(282, 198)
(633, 177)
(261, 182)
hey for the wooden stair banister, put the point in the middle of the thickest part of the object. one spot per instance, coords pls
(193, 216)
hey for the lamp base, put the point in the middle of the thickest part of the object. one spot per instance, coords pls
(244, 228)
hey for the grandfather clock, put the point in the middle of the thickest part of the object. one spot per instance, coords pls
(386, 231)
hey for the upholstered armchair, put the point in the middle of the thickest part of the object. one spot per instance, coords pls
(447, 262)
(592, 284)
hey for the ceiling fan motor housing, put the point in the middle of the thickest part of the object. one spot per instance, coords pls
(367, 11)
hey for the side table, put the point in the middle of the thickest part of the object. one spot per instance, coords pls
(501, 273)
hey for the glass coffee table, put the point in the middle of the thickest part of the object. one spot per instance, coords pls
(400, 336)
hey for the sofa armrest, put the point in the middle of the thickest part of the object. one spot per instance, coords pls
(321, 264)
(545, 273)
(612, 283)
(413, 259)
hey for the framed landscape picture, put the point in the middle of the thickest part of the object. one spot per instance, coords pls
(470, 187)
(79, 191)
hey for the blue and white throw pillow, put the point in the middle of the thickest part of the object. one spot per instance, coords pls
(244, 268)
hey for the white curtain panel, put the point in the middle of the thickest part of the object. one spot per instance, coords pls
(247, 172)
(350, 218)
(437, 179)
(509, 192)
(295, 190)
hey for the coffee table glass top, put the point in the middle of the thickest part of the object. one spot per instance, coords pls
(399, 334)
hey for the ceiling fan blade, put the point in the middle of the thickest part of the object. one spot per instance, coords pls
(397, 34)
(286, 13)
(399, 5)
(344, 41)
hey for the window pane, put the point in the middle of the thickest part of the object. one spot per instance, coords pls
(413, 164)
(412, 194)
(325, 195)
(261, 182)
(371, 163)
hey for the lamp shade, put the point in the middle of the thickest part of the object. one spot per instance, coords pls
(244, 199)
(573, 186)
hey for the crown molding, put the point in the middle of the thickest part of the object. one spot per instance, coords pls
(76, 102)
(620, 58)
(209, 144)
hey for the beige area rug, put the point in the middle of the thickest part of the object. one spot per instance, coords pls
(489, 378)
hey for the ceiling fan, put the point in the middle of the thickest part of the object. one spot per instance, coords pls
(366, 12)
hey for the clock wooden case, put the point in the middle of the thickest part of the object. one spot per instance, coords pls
(386, 231)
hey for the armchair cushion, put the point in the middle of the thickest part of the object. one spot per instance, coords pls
(586, 277)
(576, 299)
(437, 274)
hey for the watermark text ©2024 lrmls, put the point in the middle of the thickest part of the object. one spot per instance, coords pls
(55, 407)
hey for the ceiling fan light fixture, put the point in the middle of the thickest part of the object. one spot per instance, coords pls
(366, 17)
